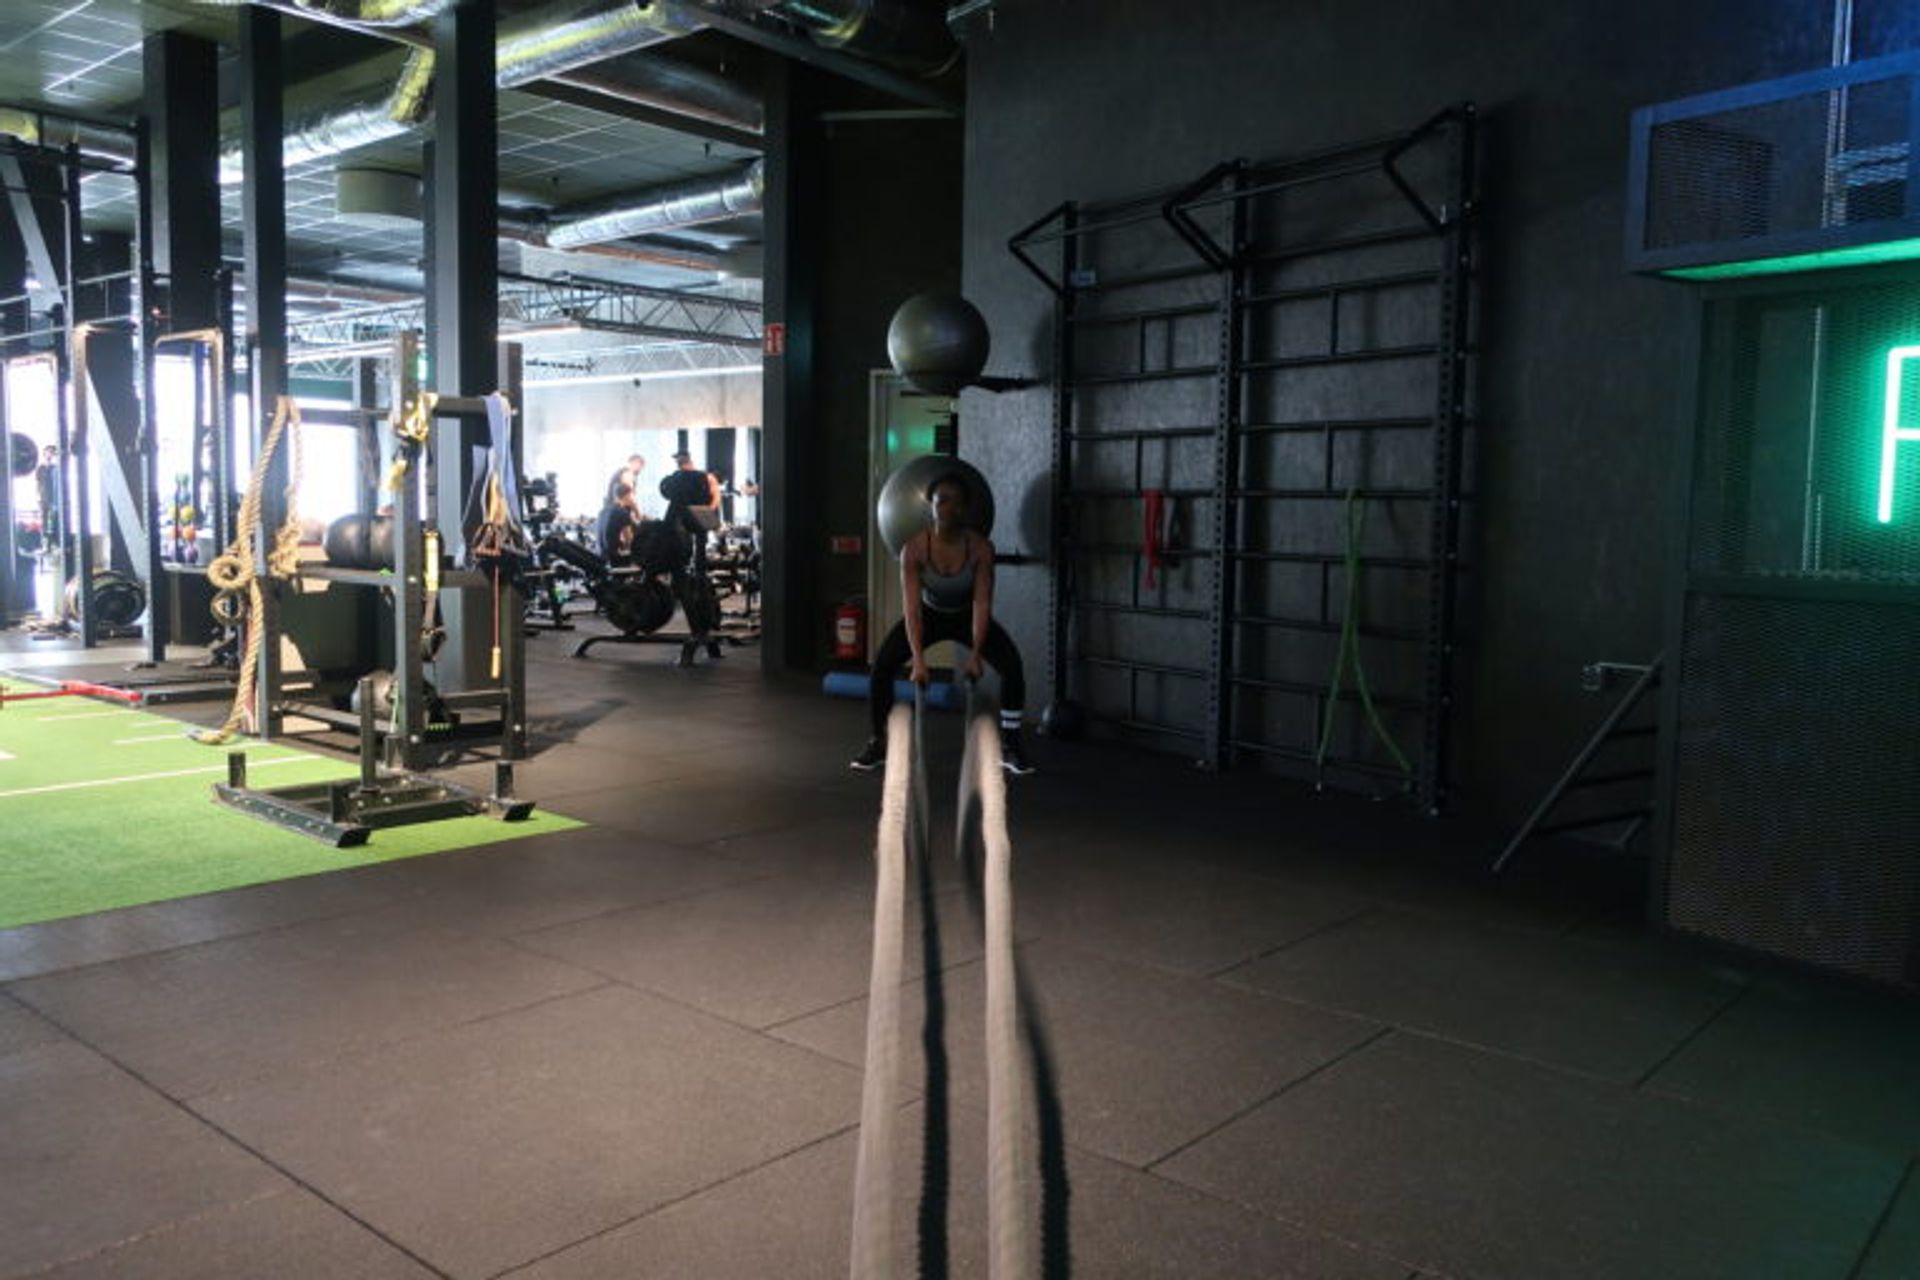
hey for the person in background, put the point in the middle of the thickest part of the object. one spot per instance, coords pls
(47, 478)
(619, 521)
(693, 504)
(946, 585)
(629, 475)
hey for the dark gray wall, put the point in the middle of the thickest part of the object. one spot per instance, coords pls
(1583, 384)
(863, 212)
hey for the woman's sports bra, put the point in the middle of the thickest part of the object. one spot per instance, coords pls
(947, 592)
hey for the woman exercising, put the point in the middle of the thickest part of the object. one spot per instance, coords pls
(948, 570)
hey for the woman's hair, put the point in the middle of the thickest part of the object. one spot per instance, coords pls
(955, 480)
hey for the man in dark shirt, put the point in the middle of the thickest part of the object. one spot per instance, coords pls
(618, 523)
(693, 504)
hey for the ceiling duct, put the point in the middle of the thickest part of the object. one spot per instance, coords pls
(678, 204)
(903, 34)
(670, 85)
(57, 132)
(377, 13)
(555, 39)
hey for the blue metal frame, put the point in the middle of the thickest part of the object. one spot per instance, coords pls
(1785, 244)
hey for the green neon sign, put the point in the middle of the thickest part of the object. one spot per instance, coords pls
(1892, 434)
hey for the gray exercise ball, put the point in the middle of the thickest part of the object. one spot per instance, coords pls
(904, 508)
(938, 342)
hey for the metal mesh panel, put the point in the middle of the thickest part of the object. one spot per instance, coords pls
(1822, 159)
(1809, 458)
(1797, 814)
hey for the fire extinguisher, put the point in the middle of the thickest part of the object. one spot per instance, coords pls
(850, 632)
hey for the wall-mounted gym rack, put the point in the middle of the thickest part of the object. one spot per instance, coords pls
(1280, 350)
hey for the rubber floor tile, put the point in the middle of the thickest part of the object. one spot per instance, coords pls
(95, 1157)
(792, 1219)
(1589, 1006)
(486, 1146)
(288, 1235)
(195, 1019)
(1468, 1163)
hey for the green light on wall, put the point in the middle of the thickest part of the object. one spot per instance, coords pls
(1891, 432)
(1858, 255)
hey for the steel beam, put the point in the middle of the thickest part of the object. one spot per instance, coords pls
(264, 221)
(183, 168)
(463, 277)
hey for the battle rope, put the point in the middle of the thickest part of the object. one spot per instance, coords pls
(239, 568)
(1356, 517)
(874, 1255)
(1014, 1242)
(1014, 1252)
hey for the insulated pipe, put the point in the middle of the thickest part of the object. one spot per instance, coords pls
(553, 41)
(37, 130)
(677, 204)
(360, 125)
(675, 87)
(362, 13)
(910, 37)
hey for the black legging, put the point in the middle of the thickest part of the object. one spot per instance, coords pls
(937, 625)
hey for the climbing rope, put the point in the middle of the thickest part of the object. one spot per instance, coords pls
(1356, 518)
(236, 572)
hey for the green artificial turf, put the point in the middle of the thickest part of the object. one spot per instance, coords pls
(86, 825)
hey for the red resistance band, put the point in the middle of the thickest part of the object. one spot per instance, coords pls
(75, 689)
(1153, 538)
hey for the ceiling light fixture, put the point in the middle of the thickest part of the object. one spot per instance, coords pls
(660, 376)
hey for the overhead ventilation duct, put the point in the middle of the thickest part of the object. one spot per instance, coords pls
(909, 36)
(36, 130)
(377, 13)
(554, 40)
(669, 85)
(376, 197)
(679, 204)
(341, 129)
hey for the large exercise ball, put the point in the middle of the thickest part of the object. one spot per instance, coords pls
(904, 508)
(346, 541)
(25, 458)
(380, 542)
(938, 342)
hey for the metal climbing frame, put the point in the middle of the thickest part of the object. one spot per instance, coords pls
(1265, 348)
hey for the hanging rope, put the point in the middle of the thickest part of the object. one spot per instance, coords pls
(236, 572)
(1356, 516)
